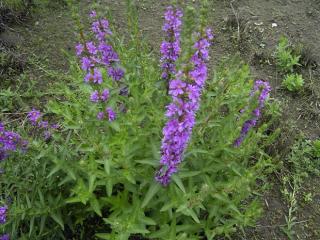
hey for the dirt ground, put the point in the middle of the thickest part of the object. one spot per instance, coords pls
(249, 27)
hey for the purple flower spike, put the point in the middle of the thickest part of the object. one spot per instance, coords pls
(3, 214)
(95, 55)
(185, 91)
(264, 88)
(170, 48)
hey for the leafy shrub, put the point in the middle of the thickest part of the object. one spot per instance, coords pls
(96, 178)
(293, 82)
(285, 57)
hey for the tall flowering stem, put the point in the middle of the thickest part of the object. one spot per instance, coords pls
(185, 91)
(98, 54)
(264, 89)
(170, 48)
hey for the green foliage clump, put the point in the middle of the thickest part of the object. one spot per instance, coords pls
(96, 179)
(305, 158)
(286, 59)
(293, 82)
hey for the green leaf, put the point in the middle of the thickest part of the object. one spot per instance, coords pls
(53, 171)
(94, 203)
(109, 187)
(147, 221)
(107, 166)
(92, 179)
(179, 183)
(154, 188)
(115, 126)
(31, 226)
(42, 223)
(57, 218)
(151, 162)
(103, 236)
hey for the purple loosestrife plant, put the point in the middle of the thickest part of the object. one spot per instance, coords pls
(96, 55)
(264, 88)
(170, 48)
(185, 91)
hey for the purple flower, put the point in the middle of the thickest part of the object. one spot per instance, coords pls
(55, 126)
(43, 124)
(185, 91)
(264, 89)
(115, 73)
(94, 77)
(170, 48)
(79, 49)
(47, 135)
(177, 87)
(100, 115)
(5, 237)
(94, 96)
(93, 14)
(105, 95)
(3, 214)
(111, 114)
(86, 64)
(91, 48)
(34, 116)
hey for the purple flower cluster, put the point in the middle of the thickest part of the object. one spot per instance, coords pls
(3, 214)
(10, 142)
(170, 48)
(35, 118)
(264, 88)
(5, 237)
(185, 91)
(96, 55)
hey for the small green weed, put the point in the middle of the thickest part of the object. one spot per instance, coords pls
(293, 82)
(286, 59)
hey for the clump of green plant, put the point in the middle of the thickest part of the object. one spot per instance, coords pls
(101, 169)
(286, 59)
(293, 82)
